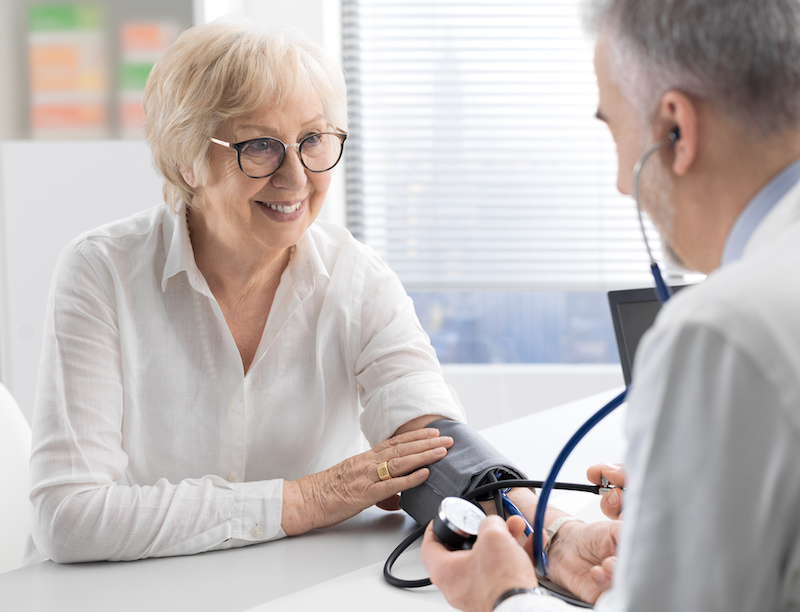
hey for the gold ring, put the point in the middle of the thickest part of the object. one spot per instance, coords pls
(383, 471)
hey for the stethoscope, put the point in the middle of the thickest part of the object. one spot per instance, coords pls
(663, 293)
(456, 523)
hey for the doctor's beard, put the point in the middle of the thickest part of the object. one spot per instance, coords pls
(657, 200)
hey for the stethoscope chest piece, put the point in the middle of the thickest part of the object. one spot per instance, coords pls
(456, 523)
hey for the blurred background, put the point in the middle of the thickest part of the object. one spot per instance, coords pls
(78, 69)
(474, 166)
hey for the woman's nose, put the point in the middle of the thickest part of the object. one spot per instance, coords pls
(291, 174)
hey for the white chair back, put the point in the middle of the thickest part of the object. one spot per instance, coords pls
(15, 451)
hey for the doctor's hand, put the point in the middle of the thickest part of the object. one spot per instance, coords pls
(611, 503)
(582, 557)
(472, 580)
(342, 491)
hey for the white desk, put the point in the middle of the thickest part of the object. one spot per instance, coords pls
(338, 569)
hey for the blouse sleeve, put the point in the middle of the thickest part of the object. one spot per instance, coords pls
(83, 511)
(398, 374)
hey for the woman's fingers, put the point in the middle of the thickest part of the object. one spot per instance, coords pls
(347, 488)
(412, 442)
(402, 465)
(410, 451)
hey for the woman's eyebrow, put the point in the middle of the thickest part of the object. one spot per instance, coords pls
(271, 129)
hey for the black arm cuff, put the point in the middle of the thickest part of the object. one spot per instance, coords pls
(466, 464)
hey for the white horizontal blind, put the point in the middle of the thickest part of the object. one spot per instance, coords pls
(475, 160)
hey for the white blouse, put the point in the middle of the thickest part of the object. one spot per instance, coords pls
(148, 437)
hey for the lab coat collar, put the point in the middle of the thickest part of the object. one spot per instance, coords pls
(758, 208)
(783, 215)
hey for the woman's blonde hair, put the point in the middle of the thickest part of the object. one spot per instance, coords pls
(222, 70)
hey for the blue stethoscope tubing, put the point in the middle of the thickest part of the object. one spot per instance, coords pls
(663, 293)
(540, 559)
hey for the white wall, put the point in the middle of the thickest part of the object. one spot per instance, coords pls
(51, 192)
(496, 393)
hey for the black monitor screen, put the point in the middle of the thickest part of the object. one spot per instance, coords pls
(633, 312)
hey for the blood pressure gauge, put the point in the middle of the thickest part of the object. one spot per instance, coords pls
(456, 524)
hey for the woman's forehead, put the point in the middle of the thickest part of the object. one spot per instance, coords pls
(295, 112)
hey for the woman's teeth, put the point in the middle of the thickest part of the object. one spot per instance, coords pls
(284, 209)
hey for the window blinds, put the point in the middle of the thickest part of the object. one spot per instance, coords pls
(475, 161)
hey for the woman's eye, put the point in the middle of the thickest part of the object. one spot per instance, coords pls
(263, 146)
(314, 139)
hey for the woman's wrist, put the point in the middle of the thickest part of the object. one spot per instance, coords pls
(553, 528)
(299, 502)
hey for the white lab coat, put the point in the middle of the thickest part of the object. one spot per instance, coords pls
(712, 509)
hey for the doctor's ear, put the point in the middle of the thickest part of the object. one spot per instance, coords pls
(680, 114)
(188, 176)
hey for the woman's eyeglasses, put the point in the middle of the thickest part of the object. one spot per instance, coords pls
(261, 157)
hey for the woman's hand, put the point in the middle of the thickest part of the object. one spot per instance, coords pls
(581, 557)
(472, 580)
(338, 493)
(611, 502)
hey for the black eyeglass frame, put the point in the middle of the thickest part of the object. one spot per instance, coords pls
(240, 146)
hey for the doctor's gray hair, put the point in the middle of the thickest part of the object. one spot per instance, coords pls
(741, 56)
(219, 71)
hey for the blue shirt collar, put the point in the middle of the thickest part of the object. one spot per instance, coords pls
(756, 210)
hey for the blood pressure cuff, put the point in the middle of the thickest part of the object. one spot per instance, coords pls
(467, 464)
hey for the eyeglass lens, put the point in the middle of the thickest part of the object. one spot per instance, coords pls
(263, 156)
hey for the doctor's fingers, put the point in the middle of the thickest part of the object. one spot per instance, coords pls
(613, 472)
(611, 504)
(517, 526)
(603, 573)
(609, 475)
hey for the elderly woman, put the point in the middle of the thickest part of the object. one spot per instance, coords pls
(212, 365)
(206, 361)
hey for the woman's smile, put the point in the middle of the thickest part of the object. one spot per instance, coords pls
(283, 211)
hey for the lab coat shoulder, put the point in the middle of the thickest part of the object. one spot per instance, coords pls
(714, 401)
(751, 305)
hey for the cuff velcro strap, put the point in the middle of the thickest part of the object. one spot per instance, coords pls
(466, 464)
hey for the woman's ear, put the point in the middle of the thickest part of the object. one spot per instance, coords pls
(679, 115)
(188, 176)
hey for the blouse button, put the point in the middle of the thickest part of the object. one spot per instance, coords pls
(233, 477)
(257, 531)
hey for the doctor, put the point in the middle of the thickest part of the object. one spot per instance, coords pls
(712, 507)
